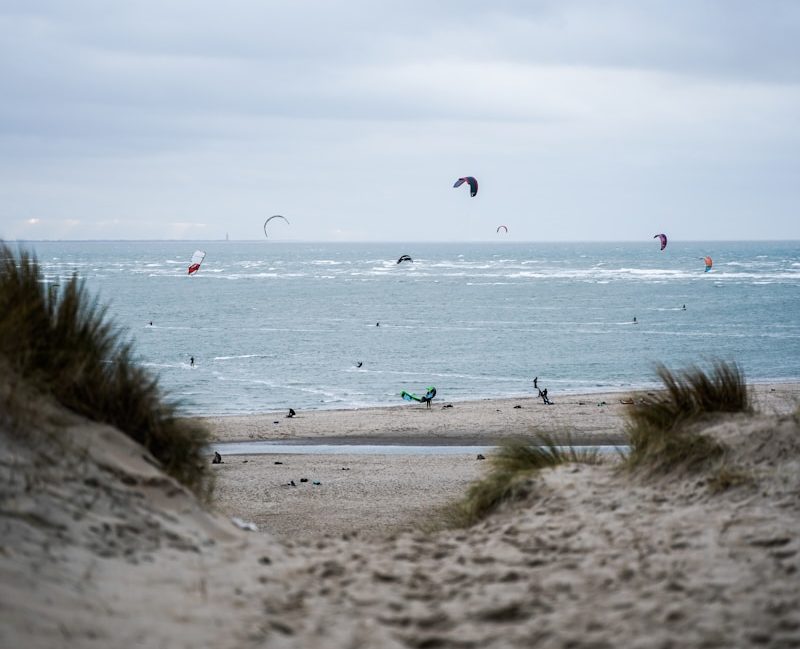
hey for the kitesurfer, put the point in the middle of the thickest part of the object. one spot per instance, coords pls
(191, 361)
(634, 320)
(151, 323)
(684, 308)
(359, 364)
(377, 324)
(544, 397)
(535, 381)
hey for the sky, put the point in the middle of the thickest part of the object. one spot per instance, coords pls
(583, 120)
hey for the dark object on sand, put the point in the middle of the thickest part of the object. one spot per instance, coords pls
(316, 482)
(480, 457)
(276, 422)
(217, 458)
(517, 406)
(291, 414)
(345, 468)
(292, 484)
(447, 405)
(303, 479)
(278, 462)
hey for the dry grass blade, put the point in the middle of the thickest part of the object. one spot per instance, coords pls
(509, 476)
(659, 426)
(63, 343)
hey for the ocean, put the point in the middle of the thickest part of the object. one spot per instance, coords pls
(276, 325)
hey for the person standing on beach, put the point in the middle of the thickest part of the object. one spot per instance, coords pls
(535, 381)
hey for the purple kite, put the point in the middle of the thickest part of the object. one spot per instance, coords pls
(663, 238)
(473, 184)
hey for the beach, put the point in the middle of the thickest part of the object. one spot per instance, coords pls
(101, 548)
(591, 418)
(375, 495)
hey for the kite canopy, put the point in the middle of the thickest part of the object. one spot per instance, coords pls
(197, 259)
(404, 258)
(663, 238)
(502, 227)
(473, 184)
(708, 263)
(277, 216)
(429, 395)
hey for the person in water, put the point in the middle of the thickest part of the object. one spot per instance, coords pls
(535, 381)
(191, 361)
(683, 308)
(634, 320)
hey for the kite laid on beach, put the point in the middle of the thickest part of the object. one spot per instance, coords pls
(404, 258)
(708, 263)
(503, 227)
(277, 216)
(197, 259)
(663, 238)
(473, 184)
(429, 395)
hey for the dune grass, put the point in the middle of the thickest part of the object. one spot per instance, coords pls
(509, 477)
(662, 427)
(63, 343)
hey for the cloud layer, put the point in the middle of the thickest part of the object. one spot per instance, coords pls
(582, 120)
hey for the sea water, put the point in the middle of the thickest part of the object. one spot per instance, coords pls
(277, 325)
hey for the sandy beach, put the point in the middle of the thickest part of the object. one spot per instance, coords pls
(594, 418)
(381, 494)
(101, 548)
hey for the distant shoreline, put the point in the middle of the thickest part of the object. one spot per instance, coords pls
(580, 418)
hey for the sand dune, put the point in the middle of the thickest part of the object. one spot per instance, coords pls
(99, 549)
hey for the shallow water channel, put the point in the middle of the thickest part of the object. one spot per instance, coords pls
(263, 447)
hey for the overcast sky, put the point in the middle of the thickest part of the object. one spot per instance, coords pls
(582, 120)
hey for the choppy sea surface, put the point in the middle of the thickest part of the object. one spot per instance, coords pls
(276, 325)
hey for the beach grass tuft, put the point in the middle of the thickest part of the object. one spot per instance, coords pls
(509, 477)
(60, 340)
(662, 427)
